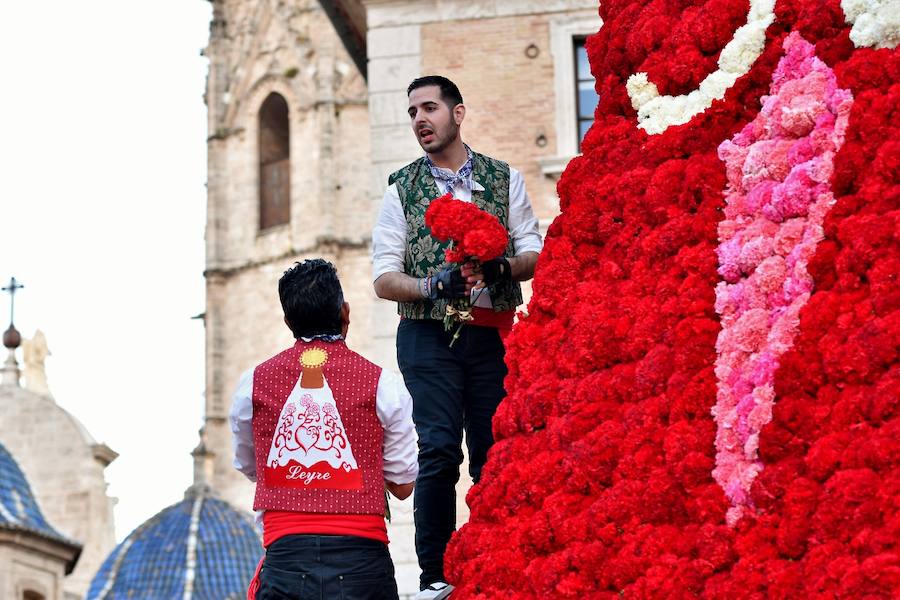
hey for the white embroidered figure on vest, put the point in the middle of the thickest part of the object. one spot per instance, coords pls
(310, 447)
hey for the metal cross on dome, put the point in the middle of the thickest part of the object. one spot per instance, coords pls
(11, 288)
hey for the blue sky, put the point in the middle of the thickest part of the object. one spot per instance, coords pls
(102, 212)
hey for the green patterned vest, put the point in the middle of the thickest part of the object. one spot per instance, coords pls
(424, 254)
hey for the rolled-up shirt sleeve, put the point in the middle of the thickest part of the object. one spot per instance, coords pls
(240, 419)
(523, 225)
(393, 405)
(389, 236)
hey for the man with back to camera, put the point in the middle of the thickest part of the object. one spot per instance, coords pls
(322, 432)
(459, 388)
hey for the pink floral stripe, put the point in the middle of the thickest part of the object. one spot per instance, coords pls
(778, 167)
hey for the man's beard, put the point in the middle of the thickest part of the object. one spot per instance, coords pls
(442, 145)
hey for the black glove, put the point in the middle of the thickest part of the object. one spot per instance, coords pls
(496, 271)
(448, 283)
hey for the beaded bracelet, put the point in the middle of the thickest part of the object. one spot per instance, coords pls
(423, 287)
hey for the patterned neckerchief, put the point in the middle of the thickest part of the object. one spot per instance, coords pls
(447, 179)
(324, 337)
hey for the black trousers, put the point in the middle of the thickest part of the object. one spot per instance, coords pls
(454, 390)
(327, 567)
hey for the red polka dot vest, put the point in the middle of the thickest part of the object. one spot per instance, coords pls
(317, 436)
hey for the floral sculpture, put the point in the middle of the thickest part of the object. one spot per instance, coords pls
(704, 400)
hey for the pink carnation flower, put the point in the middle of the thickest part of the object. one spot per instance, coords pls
(778, 171)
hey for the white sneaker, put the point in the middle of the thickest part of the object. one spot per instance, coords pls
(436, 591)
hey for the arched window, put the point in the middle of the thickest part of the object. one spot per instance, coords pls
(274, 162)
(30, 595)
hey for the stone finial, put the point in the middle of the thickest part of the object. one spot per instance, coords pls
(203, 463)
(12, 339)
(35, 353)
(9, 374)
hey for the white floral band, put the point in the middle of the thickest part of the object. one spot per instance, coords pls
(657, 113)
(876, 24)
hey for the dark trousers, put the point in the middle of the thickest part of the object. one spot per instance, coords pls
(327, 567)
(453, 390)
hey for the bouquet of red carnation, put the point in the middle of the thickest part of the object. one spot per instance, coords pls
(475, 233)
(475, 236)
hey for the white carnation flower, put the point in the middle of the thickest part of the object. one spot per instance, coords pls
(876, 23)
(657, 113)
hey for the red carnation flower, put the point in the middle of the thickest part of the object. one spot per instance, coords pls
(474, 232)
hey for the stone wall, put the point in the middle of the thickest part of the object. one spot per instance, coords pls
(31, 564)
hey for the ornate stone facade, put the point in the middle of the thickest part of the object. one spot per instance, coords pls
(65, 467)
(33, 568)
(34, 557)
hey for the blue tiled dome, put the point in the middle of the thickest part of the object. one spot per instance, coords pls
(18, 508)
(198, 549)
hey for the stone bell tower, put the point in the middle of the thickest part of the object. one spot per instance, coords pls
(288, 179)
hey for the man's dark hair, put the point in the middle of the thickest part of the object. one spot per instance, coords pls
(449, 92)
(311, 298)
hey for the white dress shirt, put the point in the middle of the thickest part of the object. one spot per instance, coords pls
(393, 405)
(389, 235)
